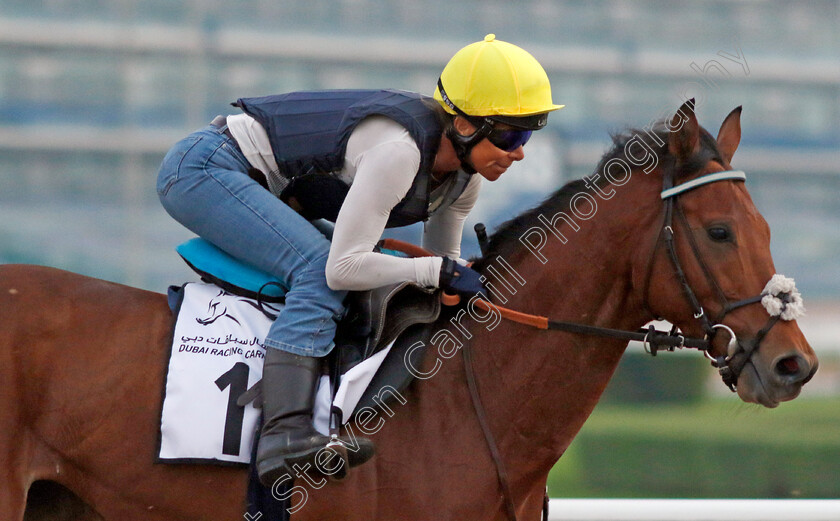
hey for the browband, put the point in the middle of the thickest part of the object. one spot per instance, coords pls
(737, 175)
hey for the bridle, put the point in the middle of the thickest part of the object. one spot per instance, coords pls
(779, 297)
(780, 304)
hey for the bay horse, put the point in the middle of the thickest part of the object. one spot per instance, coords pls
(82, 360)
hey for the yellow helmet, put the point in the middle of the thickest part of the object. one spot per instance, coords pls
(496, 80)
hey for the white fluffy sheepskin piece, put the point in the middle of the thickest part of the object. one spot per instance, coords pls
(775, 306)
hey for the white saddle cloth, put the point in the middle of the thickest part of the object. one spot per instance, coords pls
(217, 354)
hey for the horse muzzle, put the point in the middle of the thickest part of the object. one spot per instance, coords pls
(771, 379)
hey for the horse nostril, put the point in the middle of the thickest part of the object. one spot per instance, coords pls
(794, 369)
(787, 366)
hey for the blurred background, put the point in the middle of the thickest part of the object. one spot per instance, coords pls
(93, 92)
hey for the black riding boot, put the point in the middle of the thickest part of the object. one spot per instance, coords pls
(288, 437)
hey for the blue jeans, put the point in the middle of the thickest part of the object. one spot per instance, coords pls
(203, 183)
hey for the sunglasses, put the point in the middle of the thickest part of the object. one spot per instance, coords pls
(508, 140)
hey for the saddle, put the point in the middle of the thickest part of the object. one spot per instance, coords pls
(376, 317)
(373, 319)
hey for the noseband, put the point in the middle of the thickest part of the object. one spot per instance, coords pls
(779, 297)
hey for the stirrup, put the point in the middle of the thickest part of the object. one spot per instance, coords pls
(340, 449)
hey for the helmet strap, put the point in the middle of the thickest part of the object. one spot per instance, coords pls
(463, 145)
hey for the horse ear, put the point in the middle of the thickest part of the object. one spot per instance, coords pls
(684, 140)
(730, 134)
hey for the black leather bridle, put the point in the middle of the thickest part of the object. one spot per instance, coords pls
(731, 363)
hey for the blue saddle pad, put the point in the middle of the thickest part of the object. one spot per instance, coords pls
(229, 273)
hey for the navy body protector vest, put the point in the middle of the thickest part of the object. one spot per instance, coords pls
(308, 133)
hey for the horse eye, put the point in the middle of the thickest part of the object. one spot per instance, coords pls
(719, 234)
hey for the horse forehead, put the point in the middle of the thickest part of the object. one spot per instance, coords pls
(720, 199)
(746, 212)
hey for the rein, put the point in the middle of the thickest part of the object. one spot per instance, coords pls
(655, 340)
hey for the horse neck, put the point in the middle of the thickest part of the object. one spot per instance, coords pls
(540, 386)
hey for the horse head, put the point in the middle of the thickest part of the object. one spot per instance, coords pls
(708, 268)
(216, 309)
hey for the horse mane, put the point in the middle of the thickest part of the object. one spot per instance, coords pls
(506, 238)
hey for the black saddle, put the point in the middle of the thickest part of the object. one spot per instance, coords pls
(375, 318)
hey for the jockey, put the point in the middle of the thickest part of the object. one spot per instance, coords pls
(260, 184)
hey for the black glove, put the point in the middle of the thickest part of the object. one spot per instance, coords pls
(459, 279)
